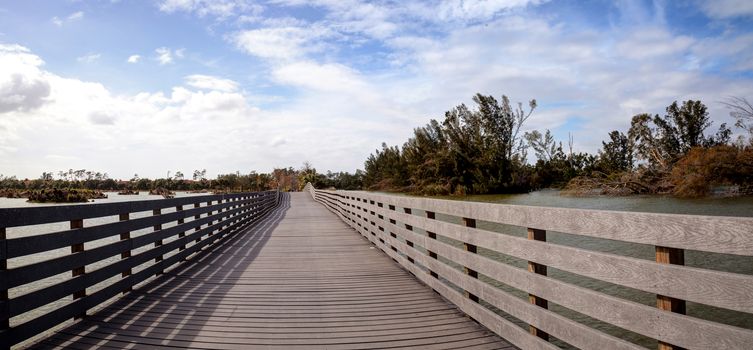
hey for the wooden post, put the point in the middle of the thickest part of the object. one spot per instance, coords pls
(182, 233)
(537, 235)
(471, 248)
(126, 254)
(432, 235)
(5, 311)
(675, 256)
(219, 211)
(209, 203)
(78, 271)
(409, 228)
(197, 217)
(158, 243)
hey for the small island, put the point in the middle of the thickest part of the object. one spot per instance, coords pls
(57, 195)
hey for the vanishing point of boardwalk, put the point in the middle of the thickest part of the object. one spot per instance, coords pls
(301, 278)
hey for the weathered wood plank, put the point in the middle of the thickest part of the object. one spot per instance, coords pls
(674, 328)
(728, 235)
(13, 217)
(722, 289)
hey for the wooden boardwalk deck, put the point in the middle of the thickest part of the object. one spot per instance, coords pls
(299, 279)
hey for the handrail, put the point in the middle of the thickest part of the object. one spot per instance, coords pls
(106, 267)
(409, 230)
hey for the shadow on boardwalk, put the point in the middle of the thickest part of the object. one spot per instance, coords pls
(300, 279)
(177, 300)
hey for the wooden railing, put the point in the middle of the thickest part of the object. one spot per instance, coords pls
(447, 255)
(42, 284)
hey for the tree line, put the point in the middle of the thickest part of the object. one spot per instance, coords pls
(482, 150)
(285, 179)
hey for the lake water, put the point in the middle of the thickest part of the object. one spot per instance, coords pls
(740, 206)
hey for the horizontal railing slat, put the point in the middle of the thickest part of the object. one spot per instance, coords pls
(514, 334)
(41, 323)
(60, 290)
(563, 328)
(718, 234)
(673, 328)
(21, 246)
(716, 288)
(380, 218)
(227, 217)
(12, 217)
(42, 269)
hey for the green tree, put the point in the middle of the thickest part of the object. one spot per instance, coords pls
(616, 155)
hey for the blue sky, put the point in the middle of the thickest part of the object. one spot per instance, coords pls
(151, 86)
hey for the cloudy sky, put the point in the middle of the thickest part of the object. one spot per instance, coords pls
(145, 87)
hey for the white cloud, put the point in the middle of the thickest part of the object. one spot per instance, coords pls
(165, 55)
(42, 113)
(727, 8)
(134, 58)
(220, 9)
(208, 82)
(89, 58)
(319, 77)
(281, 42)
(76, 16)
(23, 85)
(73, 17)
(478, 9)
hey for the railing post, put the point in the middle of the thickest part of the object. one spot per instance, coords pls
(471, 248)
(219, 211)
(537, 235)
(674, 256)
(4, 307)
(181, 234)
(209, 203)
(409, 228)
(78, 271)
(197, 217)
(158, 243)
(431, 215)
(126, 254)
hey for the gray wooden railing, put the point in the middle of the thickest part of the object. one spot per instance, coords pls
(409, 230)
(129, 243)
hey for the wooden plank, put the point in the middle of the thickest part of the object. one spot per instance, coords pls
(21, 246)
(492, 321)
(718, 234)
(46, 268)
(49, 294)
(13, 217)
(721, 289)
(567, 330)
(674, 328)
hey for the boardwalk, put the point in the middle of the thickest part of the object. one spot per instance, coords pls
(300, 279)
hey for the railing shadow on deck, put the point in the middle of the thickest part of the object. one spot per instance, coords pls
(160, 304)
